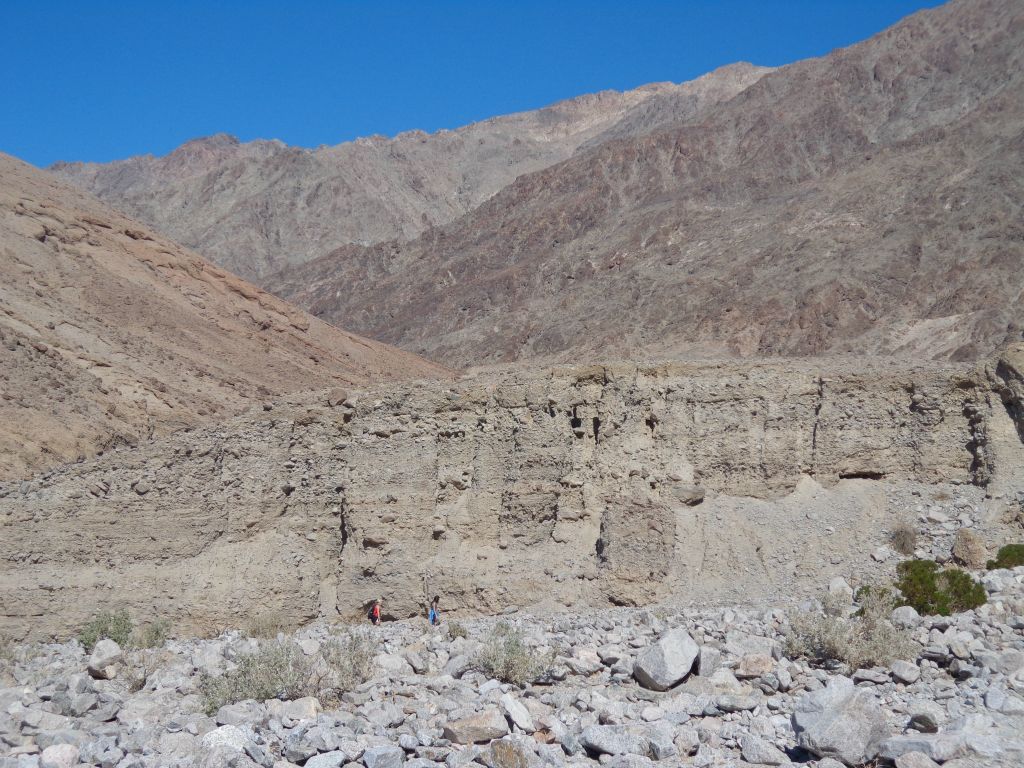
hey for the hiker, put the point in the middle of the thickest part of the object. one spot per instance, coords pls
(434, 615)
(374, 614)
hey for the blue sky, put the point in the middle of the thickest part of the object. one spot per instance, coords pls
(100, 80)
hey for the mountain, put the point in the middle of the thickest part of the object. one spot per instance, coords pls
(261, 206)
(865, 202)
(110, 333)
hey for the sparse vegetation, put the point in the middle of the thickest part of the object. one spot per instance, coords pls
(455, 629)
(265, 626)
(153, 635)
(115, 625)
(1010, 556)
(350, 661)
(865, 638)
(280, 670)
(933, 591)
(904, 539)
(505, 656)
(7, 649)
(119, 627)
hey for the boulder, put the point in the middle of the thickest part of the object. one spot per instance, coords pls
(59, 756)
(513, 753)
(905, 672)
(643, 740)
(667, 662)
(384, 756)
(228, 736)
(840, 721)
(106, 655)
(969, 550)
(475, 729)
(517, 713)
(760, 752)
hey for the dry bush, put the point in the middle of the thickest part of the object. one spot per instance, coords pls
(455, 630)
(941, 496)
(153, 635)
(505, 656)
(265, 626)
(280, 670)
(8, 649)
(904, 539)
(864, 639)
(275, 671)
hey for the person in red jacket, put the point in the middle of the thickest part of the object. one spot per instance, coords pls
(374, 614)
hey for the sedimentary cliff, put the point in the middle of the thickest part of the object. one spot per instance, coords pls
(582, 485)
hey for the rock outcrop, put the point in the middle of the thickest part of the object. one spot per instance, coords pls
(574, 486)
(110, 333)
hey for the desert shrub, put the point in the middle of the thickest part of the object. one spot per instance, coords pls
(505, 656)
(265, 626)
(455, 629)
(274, 671)
(904, 539)
(349, 661)
(933, 591)
(153, 635)
(1010, 556)
(8, 649)
(280, 670)
(116, 626)
(866, 638)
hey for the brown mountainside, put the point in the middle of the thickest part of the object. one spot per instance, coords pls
(261, 206)
(867, 202)
(109, 333)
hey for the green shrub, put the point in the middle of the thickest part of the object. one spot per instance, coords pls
(455, 629)
(505, 656)
(116, 626)
(933, 591)
(865, 639)
(1010, 556)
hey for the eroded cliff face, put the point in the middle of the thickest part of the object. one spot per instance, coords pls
(583, 486)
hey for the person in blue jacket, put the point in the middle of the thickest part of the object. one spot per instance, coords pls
(434, 615)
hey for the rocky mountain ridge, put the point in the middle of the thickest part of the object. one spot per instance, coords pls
(110, 333)
(261, 206)
(868, 202)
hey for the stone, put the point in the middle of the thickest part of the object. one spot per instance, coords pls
(516, 712)
(667, 662)
(754, 665)
(617, 740)
(760, 752)
(512, 753)
(743, 643)
(475, 729)
(915, 760)
(384, 756)
(938, 747)
(969, 550)
(59, 756)
(228, 736)
(905, 617)
(905, 672)
(925, 715)
(840, 721)
(708, 660)
(105, 657)
(332, 759)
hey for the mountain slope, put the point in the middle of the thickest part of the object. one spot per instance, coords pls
(109, 333)
(868, 201)
(260, 206)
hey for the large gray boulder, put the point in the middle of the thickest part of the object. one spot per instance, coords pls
(667, 662)
(475, 729)
(645, 740)
(840, 721)
(106, 655)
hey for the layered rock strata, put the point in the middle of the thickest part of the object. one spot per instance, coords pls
(584, 485)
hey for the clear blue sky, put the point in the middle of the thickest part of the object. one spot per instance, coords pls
(99, 79)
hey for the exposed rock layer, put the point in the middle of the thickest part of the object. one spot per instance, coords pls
(109, 333)
(260, 206)
(577, 486)
(868, 202)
